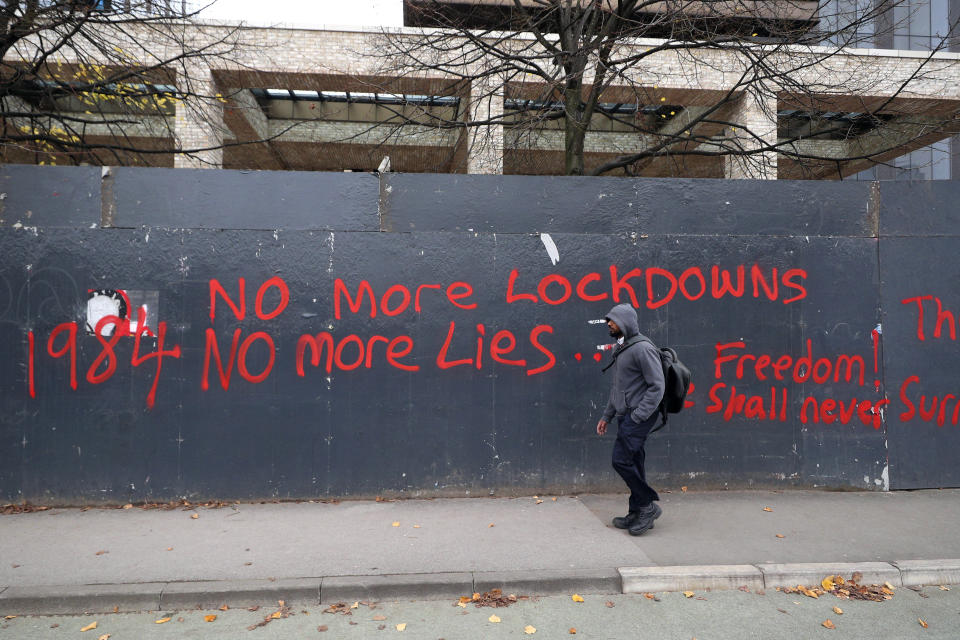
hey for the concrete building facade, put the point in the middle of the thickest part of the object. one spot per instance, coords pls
(318, 99)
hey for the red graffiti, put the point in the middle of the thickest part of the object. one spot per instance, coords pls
(942, 316)
(240, 310)
(107, 353)
(769, 407)
(801, 369)
(456, 294)
(324, 343)
(829, 411)
(31, 386)
(70, 345)
(502, 344)
(927, 409)
(238, 356)
(692, 284)
(136, 359)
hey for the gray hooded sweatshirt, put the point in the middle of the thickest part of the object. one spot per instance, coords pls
(637, 375)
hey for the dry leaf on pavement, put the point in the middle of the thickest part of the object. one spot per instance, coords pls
(161, 620)
(529, 630)
(195, 516)
(322, 628)
(683, 489)
(573, 631)
(780, 535)
(105, 636)
(838, 611)
(922, 623)
(576, 598)
(688, 594)
(101, 552)
(89, 627)
(829, 624)
(396, 524)
(401, 626)
(767, 509)
(610, 605)
(378, 617)
(494, 618)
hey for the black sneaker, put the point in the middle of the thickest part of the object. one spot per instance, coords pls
(627, 521)
(647, 515)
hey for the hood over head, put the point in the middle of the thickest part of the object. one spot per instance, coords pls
(626, 318)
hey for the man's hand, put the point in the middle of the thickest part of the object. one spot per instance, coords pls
(601, 427)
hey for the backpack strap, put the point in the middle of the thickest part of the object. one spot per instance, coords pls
(628, 343)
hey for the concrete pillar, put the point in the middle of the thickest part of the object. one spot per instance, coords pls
(485, 143)
(199, 119)
(756, 118)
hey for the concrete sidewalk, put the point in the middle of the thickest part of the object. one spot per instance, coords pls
(68, 560)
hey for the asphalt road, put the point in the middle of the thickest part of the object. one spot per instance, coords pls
(704, 616)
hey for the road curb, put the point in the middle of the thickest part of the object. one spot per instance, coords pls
(921, 573)
(906, 573)
(163, 596)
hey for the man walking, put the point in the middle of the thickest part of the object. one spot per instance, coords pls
(637, 390)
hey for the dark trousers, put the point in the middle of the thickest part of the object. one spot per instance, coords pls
(628, 459)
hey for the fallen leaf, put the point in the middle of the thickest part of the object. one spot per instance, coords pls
(401, 626)
(355, 605)
(838, 611)
(396, 524)
(688, 594)
(322, 628)
(105, 636)
(889, 586)
(381, 627)
(224, 608)
(116, 608)
(209, 618)
(494, 618)
(683, 489)
(827, 583)
(490, 525)
(649, 596)
(462, 604)
(169, 548)
(554, 499)
(9, 617)
(275, 615)
(610, 605)
(829, 624)
(922, 623)
(576, 598)
(379, 617)
(89, 627)
(767, 509)
(782, 610)
(161, 620)
(416, 526)
(944, 587)
(128, 506)
(856, 577)
(179, 619)
(780, 535)
(195, 516)
(539, 501)
(529, 630)
(100, 553)
(572, 631)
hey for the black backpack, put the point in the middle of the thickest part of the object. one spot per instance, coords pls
(676, 377)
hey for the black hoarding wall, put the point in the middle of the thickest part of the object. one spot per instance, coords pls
(234, 335)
